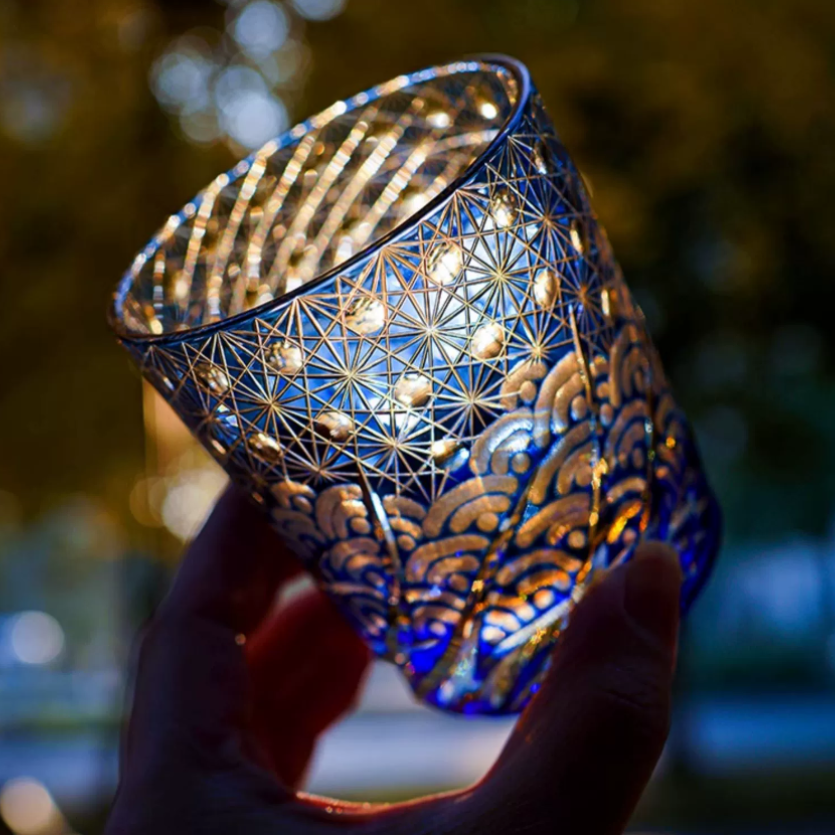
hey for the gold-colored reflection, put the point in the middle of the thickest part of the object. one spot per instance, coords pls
(412, 202)
(449, 453)
(546, 288)
(413, 390)
(213, 377)
(541, 157)
(576, 234)
(334, 426)
(487, 342)
(488, 109)
(439, 119)
(504, 209)
(366, 316)
(445, 262)
(285, 358)
(267, 447)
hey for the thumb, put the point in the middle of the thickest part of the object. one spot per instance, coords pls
(586, 747)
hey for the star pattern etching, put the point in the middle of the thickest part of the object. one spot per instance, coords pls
(454, 416)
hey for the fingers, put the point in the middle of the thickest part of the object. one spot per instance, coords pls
(232, 569)
(306, 665)
(192, 681)
(583, 752)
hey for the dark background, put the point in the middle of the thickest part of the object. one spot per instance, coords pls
(706, 133)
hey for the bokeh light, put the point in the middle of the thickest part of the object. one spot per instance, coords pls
(181, 77)
(188, 498)
(249, 113)
(319, 9)
(34, 96)
(236, 84)
(261, 28)
(27, 808)
(36, 638)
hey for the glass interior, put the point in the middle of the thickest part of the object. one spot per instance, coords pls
(347, 178)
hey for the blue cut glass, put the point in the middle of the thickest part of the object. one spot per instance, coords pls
(401, 330)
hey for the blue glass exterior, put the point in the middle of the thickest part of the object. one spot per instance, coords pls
(455, 427)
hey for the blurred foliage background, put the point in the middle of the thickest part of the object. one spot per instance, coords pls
(705, 131)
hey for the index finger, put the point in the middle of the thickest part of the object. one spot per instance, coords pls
(192, 683)
(233, 568)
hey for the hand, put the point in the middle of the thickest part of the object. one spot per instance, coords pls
(230, 699)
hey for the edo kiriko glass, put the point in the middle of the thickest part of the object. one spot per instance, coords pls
(401, 330)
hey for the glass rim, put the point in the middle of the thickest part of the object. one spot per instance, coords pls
(521, 75)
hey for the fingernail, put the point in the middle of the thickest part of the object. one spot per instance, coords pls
(652, 589)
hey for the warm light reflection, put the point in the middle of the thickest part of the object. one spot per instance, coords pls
(27, 808)
(181, 483)
(189, 495)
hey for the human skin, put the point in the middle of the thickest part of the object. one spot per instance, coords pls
(232, 693)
